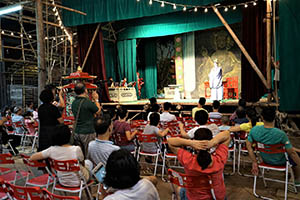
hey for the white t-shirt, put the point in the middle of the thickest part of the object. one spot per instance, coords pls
(215, 115)
(144, 189)
(167, 117)
(212, 127)
(65, 153)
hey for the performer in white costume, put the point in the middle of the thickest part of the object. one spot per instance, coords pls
(215, 82)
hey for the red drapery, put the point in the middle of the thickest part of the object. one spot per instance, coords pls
(254, 40)
(95, 64)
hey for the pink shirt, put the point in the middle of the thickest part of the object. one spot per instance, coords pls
(191, 167)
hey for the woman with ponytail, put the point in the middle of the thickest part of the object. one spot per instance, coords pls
(251, 115)
(204, 161)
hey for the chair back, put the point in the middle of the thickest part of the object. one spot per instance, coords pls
(6, 158)
(151, 138)
(18, 124)
(270, 148)
(23, 193)
(119, 139)
(50, 196)
(187, 181)
(65, 165)
(32, 163)
(214, 121)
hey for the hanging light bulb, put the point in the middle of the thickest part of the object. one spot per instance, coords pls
(56, 13)
(46, 38)
(162, 4)
(21, 35)
(226, 9)
(12, 34)
(2, 32)
(234, 8)
(54, 38)
(150, 2)
(30, 36)
(184, 8)
(195, 9)
(61, 39)
(54, 9)
(246, 5)
(138, 0)
(254, 3)
(205, 10)
(174, 7)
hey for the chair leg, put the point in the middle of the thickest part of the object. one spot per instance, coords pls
(33, 143)
(286, 183)
(155, 168)
(263, 176)
(254, 187)
(239, 158)
(163, 167)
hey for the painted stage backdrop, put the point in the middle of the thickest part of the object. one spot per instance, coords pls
(216, 44)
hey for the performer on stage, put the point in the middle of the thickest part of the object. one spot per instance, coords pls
(111, 82)
(124, 82)
(140, 83)
(215, 82)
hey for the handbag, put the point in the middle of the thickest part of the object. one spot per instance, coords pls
(72, 141)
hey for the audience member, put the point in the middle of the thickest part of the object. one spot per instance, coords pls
(29, 107)
(200, 105)
(122, 132)
(225, 123)
(84, 110)
(154, 109)
(268, 134)
(153, 129)
(215, 113)
(201, 117)
(100, 149)
(62, 150)
(49, 117)
(60, 103)
(18, 120)
(240, 116)
(252, 117)
(203, 163)
(166, 116)
(123, 174)
(242, 103)
(35, 114)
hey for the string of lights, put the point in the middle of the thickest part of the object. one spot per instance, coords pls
(186, 7)
(56, 13)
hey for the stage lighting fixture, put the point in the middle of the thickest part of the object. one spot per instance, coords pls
(150, 2)
(195, 9)
(184, 8)
(174, 7)
(206, 10)
(10, 9)
(234, 8)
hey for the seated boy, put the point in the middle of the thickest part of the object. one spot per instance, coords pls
(166, 116)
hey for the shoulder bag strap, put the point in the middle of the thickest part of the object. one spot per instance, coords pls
(77, 115)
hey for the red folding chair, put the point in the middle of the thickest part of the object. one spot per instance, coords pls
(203, 182)
(40, 181)
(23, 193)
(3, 191)
(274, 149)
(13, 174)
(71, 166)
(32, 133)
(152, 138)
(50, 196)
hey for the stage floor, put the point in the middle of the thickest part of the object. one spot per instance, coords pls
(192, 102)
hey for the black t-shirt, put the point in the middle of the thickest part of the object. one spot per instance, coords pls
(48, 115)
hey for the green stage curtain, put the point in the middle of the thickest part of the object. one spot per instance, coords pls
(114, 10)
(289, 48)
(175, 23)
(127, 59)
(150, 69)
(110, 59)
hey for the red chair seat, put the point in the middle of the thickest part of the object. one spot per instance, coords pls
(11, 176)
(3, 195)
(41, 180)
(4, 169)
(171, 155)
(271, 166)
(61, 187)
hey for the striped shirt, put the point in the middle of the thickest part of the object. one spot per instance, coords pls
(99, 151)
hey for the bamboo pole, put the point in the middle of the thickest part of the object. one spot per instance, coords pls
(244, 51)
(90, 47)
(23, 56)
(42, 76)
(72, 53)
(274, 46)
(268, 24)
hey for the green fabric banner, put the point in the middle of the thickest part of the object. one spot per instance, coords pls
(175, 23)
(289, 48)
(110, 59)
(150, 69)
(114, 10)
(127, 59)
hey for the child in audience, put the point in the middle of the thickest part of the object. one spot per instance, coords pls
(225, 123)
(200, 105)
(154, 109)
(215, 113)
(166, 116)
(254, 121)
(240, 116)
(153, 129)
(62, 150)
(242, 103)
(122, 132)
(123, 174)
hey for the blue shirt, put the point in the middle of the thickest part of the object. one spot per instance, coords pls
(18, 118)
